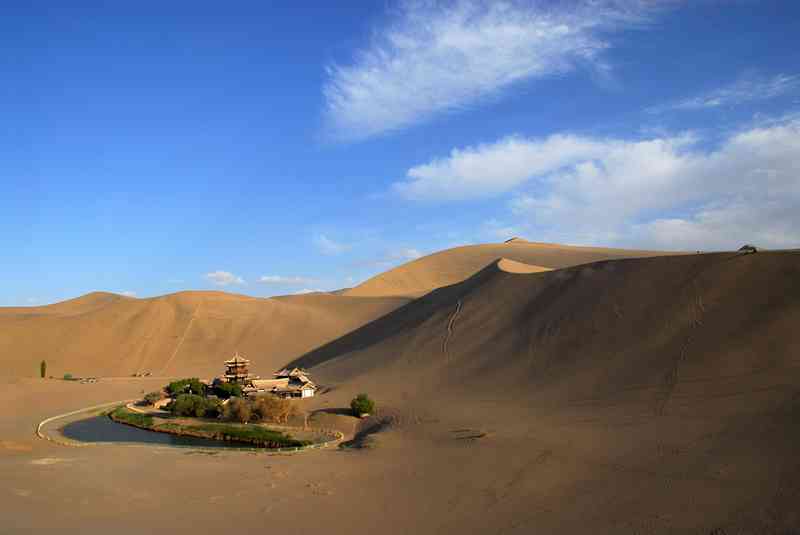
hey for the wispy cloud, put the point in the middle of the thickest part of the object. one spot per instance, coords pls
(438, 57)
(491, 169)
(328, 246)
(224, 278)
(749, 87)
(286, 280)
(664, 191)
(128, 294)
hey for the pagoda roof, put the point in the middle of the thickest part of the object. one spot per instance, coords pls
(237, 359)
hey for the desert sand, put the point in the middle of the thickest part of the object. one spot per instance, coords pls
(628, 395)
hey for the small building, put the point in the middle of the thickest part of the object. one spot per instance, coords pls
(293, 383)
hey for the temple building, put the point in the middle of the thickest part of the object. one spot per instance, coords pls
(293, 383)
(287, 383)
(237, 370)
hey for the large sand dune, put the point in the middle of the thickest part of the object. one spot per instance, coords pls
(652, 395)
(191, 332)
(454, 265)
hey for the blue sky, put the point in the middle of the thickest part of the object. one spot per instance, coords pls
(272, 149)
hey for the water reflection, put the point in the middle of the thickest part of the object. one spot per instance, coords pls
(103, 429)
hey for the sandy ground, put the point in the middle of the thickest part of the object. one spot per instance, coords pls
(480, 468)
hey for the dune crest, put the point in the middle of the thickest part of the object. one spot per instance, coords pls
(452, 266)
(512, 266)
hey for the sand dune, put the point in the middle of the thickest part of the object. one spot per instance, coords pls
(103, 333)
(454, 265)
(615, 324)
(635, 392)
(183, 333)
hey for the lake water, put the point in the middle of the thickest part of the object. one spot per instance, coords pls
(103, 429)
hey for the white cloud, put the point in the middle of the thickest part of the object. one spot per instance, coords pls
(128, 294)
(747, 88)
(224, 278)
(495, 168)
(284, 280)
(328, 246)
(668, 192)
(433, 58)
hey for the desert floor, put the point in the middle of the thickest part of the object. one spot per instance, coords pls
(580, 469)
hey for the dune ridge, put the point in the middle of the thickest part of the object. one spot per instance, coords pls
(181, 333)
(450, 266)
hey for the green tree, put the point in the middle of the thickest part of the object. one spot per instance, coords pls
(362, 404)
(193, 405)
(186, 386)
(228, 390)
(43, 369)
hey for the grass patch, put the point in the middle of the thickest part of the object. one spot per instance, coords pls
(252, 433)
(121, 414)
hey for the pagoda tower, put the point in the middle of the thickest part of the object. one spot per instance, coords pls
(237, 370)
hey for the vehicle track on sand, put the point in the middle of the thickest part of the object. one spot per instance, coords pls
(450, 324)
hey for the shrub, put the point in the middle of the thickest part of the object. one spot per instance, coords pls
(228, 390)
(193, 405)
(361, 404)
(186, 386)
(273, 409)
(238, 410)
(43, 369)
(68, 377)
(152, 398)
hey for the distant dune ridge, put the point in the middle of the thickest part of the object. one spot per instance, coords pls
(188, 333)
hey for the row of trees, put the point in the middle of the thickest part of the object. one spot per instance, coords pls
(242, 410)
(194, 386)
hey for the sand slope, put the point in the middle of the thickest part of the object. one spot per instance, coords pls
(454, 265)
(652, 395)
(612, 323)
(183, 333)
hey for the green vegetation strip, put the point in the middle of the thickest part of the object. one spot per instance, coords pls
(250, 434)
